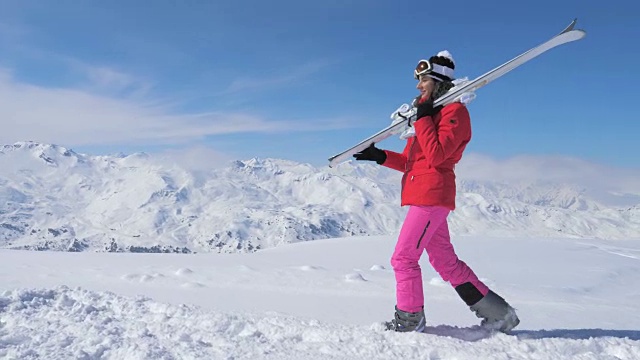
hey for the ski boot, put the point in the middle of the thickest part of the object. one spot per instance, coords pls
(406, 322)
(495, 312)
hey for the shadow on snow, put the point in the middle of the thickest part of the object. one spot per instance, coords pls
(476, 333)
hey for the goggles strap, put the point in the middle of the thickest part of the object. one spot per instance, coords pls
(442, 70)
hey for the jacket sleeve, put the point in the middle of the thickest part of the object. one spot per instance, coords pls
(397, 161)
(440, 142)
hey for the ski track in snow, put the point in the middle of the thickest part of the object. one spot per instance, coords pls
(65, 323)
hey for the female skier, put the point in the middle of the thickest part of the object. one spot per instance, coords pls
(429, 189)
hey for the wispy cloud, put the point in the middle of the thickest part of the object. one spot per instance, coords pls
(621, 182)
(102, 103)
(110, 81)
(196, 158)
(73, 116)
(17, 39)
(255, 79)
(108, 78)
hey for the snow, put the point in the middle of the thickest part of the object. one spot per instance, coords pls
(57, 199)
(273, 259)
(324, 299)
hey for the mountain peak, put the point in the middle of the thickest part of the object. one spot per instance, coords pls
(37, 146)
(47, 201)
(49, 153)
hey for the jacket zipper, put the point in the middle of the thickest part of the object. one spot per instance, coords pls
(406, 165)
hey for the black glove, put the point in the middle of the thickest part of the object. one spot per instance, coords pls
(372, 153)
(426, 108)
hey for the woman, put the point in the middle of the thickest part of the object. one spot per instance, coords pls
(429, 188)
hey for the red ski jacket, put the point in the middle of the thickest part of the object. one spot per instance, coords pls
(429, 158)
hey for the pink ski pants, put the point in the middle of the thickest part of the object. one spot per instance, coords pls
(426, 228)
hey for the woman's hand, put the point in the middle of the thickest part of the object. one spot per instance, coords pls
(372, 153)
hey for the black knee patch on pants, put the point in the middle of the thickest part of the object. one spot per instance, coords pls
(469, 293)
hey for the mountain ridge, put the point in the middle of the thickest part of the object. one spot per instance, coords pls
(56, 199)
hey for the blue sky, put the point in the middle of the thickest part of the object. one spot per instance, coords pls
(304, 80)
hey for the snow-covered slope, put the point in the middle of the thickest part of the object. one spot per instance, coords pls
(53, 198)
(322, 299)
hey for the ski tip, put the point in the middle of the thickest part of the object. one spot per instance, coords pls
(572, 26)
(335, 160)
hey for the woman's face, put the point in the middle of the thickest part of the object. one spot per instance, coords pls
(426, 85)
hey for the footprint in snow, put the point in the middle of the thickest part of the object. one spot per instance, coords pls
(310, 268)
(130, 277)
(184, 272)
(377, 268)
(141, 278)
(354, 277)
(146, 278)
(193, 285)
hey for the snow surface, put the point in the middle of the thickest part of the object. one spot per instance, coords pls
(565, 254)
(52, 198)
(324, 299)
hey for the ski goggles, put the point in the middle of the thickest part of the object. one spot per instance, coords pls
(435, 71)
(423, 67)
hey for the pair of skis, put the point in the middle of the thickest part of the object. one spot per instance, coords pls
(567, 35)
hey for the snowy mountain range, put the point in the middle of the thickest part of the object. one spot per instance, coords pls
(52, 198)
